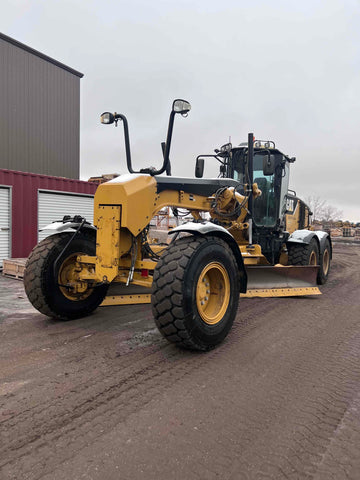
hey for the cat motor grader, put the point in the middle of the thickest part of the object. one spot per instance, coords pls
(249, 235)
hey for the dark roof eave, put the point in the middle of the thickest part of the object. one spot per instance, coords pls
(40, 55)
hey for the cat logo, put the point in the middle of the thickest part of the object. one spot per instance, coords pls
(290, 204)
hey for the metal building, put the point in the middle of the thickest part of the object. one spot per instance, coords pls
(39, 112)
(28, 202)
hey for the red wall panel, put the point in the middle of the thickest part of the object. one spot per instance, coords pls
(24, 218)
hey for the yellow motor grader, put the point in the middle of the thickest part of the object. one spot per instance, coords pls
(249, 235)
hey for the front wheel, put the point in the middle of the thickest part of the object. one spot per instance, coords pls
(47, 288)
(195, 292)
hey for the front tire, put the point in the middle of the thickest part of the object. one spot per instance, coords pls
(195, 292)
(42, 282)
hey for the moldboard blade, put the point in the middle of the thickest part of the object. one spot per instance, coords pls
(281, 281)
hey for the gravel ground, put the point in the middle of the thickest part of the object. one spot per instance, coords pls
(106, 397)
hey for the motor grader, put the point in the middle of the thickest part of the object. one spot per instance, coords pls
(249, 236)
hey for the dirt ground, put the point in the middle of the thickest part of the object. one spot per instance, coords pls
(106, 397)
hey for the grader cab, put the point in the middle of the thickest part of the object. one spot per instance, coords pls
(249, 236)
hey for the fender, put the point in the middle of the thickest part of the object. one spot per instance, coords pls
(67, 225)
(208, 228)
(305, 237)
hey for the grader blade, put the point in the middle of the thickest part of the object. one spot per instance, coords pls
(263, 281)
(281, 281)
(120, 294)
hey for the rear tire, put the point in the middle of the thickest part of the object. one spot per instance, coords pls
(325, 261)
(195, 292)
(41, 282)
(303, 254)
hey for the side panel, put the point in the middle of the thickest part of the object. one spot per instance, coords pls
(108, 241)
(135, 193)
(296, 215)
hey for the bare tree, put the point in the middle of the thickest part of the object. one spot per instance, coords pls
(322, 211)
(316, 205)
(331, 214)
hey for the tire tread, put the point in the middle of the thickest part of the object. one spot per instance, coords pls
(167, 290)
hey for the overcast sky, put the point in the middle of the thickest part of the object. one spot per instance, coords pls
(286, 70)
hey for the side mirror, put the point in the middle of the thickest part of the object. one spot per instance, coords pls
(199, 168)
(107, 118)
(269, 165)
(181, 106)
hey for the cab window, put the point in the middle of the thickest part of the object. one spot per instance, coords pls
(264, 207)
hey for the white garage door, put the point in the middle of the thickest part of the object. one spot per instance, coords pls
(53, 206)
(4, 223)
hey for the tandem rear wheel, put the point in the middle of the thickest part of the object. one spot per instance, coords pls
(309, 254)
(195, 292)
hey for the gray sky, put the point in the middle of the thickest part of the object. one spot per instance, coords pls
(287, 70)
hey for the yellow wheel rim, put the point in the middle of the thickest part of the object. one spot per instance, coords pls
(326, 262)
(312, 259)
(213, 293)
(68, 275)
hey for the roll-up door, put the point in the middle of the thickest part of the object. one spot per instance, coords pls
(4, 224)
(53, 206)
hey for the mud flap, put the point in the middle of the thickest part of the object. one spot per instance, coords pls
(281, 281)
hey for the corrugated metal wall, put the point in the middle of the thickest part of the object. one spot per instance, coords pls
(39, 113)
(24, 204)
(53, 206)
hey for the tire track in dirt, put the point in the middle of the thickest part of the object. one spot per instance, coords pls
(91, 388)
(285, 433)
(47, 424)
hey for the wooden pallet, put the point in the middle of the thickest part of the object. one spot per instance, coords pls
(14, 268)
